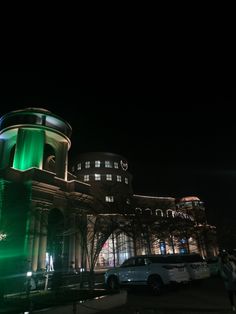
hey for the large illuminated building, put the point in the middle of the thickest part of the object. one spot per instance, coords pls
(43, 206)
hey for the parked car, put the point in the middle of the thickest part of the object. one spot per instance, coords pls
(195, 264)
(153, 271)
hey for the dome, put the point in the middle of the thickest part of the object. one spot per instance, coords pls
(189, 199)
(37, 117)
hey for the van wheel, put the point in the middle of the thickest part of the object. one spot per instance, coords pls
(112, 283)
(155, 284)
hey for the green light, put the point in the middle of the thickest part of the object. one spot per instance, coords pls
(29, 149)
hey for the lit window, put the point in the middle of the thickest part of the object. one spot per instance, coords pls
(126, 181)
(109, 177)
(118, 178)
(87, 164)
(86, 177)
(97, 163)
(109, 199)
(148, 211)
(116, 165)
(159, 212)
(79, 166)
(97, 177)
(108, 164)
(138, 210)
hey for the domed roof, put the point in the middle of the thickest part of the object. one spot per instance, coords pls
(34, 109)
(37, 117)
(189, 199)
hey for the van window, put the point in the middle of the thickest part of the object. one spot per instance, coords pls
(192, 258)
(157, 259)
(174, 259)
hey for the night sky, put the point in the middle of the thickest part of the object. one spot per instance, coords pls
(178, 132)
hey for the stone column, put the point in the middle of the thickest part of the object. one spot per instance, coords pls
(77, 251)
(37, 213)
(72, 243)
(29, 239)
(43, 240)
(61, 160)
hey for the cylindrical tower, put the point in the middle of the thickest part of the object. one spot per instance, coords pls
(106, 172)
(34, 137)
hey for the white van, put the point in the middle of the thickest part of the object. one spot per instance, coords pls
(195, 264)
(154, 271)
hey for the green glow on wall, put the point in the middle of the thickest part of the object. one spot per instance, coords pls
(29, 149)
(1, 200)
(15, 200)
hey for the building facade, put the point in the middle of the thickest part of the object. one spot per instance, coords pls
(52, 218)
(183, 221)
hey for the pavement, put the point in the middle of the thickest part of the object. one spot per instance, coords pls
(202, 298)
(208, 296)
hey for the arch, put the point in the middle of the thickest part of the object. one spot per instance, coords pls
(11, 157)
(49, 158)
(138, 210)
(148, 211)
(169, 213)
(60, 151)
(159, 213)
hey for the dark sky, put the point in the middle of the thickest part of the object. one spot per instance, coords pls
(176, 129)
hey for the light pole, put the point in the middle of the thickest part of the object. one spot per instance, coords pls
(28, 283)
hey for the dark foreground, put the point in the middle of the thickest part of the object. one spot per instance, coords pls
(208, 296)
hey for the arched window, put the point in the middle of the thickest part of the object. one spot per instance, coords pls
(138, 210)
(148, 211)
(49, 160)
(169, 213)
(12, 153)
(159, 212)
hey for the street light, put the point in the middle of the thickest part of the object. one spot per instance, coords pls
(28, 283)
(2, 236)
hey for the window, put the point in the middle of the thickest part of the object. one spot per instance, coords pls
(97, 177)
(108, 164)
(140, 261)
(126, 181)
(162, 247)
(97, 163)
(86, 177)
(87, 164)
(116, 165)
(159, 212)
(129, 262)
(138, 210)
(118, 178)
(108, 177)
(148, 211)
(79, 166)
(169, 213)
(109, 199)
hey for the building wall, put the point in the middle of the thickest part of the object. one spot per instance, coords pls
(55, 217)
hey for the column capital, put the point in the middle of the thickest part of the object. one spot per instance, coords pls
(39, 205)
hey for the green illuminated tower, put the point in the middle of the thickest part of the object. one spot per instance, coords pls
(34, 146)
(27, 136)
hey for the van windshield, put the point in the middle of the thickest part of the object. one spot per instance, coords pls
(192, 258)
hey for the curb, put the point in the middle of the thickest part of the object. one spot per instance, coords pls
(98, 304)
